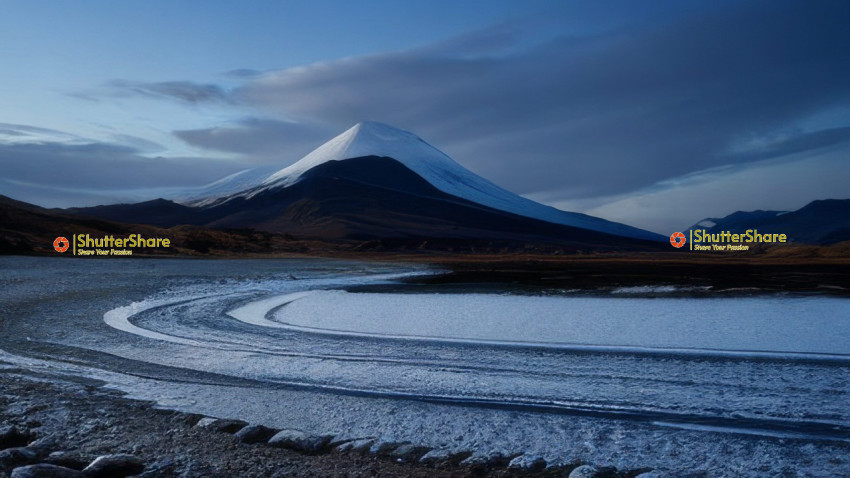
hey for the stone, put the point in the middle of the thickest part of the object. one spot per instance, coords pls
(528, 462)
(66, 459)
(11, 437)
(205, 422)
(44, 470)
(297, 440)
(338, 441)
(114, 466)
(255, 434)
(444, 456)
(11, 458)
(384, 448)
(191, 418)
(490, 460)
(584, 471)
(650, 474)
(316, 443)
(222, 425)
(288, 438)
(361, 445)
(409, 452)
(43, 446)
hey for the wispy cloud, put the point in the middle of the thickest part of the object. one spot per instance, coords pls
(787, 183)
(51, 170)
(184, 91)
(260, 139)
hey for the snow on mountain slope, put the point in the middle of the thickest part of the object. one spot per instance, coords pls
(224, 187)
(378, 139)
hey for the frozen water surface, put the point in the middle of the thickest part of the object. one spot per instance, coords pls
(734, 326)
(750, 386)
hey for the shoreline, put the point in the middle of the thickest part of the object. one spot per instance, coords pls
(71, 421)
(687, 274)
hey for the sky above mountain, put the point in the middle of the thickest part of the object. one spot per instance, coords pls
(651, 114)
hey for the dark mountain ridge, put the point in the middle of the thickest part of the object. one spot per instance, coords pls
(825, 221)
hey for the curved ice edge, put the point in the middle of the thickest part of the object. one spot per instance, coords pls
(119, 318)
(258, 313)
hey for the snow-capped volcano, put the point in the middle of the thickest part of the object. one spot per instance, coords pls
(380, 140)
(376, 186)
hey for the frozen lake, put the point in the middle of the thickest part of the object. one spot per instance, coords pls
(757, 326)
(746, 386)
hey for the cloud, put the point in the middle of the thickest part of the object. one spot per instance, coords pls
(781, 145)
(141, 145)
(490, 41)
(242, 73)
(787, 183)
(260, 139)
(24, 134)
(183, 91)
(52, 173)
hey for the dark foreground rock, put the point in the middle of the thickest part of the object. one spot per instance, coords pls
(12, 458)
(255, 434)
(409, 452)
(528, 462)
(222, 425)
(114, 466)
(299, 441)
(585, 471)
(439, 456)
(46, 471)
(11, 437)
(75, 461)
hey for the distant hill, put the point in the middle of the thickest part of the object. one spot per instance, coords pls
(29, 229)
(819, 222)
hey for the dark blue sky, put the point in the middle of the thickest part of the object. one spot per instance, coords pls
(655, 114)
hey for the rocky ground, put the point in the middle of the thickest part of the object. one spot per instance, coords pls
(66, 427)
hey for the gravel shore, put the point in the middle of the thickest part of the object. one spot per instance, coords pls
(70, 423)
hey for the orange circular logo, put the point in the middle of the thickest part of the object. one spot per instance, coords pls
(61, 244)
(677, 239)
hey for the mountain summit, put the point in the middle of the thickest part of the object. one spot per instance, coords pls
(370, 138)
(377, 182)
